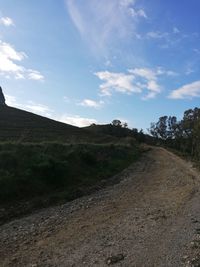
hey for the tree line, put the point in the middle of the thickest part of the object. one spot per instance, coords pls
(120, 130)
(183, 135)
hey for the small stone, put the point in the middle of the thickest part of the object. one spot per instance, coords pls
(13, 259)
(195, 244)
(194, 220)
(114, 259)
(195, 262)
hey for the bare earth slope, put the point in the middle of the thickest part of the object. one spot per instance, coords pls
(149, 219)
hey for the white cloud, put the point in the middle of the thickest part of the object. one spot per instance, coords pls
(168, 39)
(127, 3)
(154, 89)
(11, 100)
(152, 74)
(9, 66)
(31, 106)
(6, 21)
(189, 68)
(153, 86)
(187, 91)
(161, 71)
(35, 75)
(137, 13)
(100, 23)
(8, 56)
(150, 77)
(38, 108)
(44, 110)
(157, 35)
(146, 73)
(119, 82)
(77, 120)
(176, 30)
(135, 81)
(91, 103)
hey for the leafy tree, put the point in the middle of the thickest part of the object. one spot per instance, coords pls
(172, 126)
(125, 125)
(183, 135)
(117, 123)
(159, 129)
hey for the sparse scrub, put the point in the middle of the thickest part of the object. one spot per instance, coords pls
(29, 170)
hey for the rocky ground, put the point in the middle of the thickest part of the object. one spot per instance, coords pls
(150, 218)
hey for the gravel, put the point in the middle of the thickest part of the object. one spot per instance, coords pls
(149, 218)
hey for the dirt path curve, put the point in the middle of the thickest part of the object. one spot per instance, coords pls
(150, 218)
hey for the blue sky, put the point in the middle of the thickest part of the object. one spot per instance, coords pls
(91, 61)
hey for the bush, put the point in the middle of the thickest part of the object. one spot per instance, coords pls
(45, 169)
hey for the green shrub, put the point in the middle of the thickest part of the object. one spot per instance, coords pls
(51, 169)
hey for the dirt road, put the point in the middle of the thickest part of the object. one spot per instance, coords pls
(150, 218)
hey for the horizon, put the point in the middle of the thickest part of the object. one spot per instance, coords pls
(81, 64)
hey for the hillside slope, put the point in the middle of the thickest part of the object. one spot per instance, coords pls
(20, 125)
(151, 218)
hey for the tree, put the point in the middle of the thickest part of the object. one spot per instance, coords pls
(183, 135)
(117, 123)
(153, 130)
(125, 125)
(159, 129)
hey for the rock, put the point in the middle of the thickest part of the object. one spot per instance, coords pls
(198, 230)
(195, 244)
(2, 98)
(194, 220)
(114, 259)
(185, 257)
(13, 259)
(195, 262)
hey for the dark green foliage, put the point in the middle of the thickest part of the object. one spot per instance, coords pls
(117, 123)
(118, 130)
(183, 135)
(29, 170)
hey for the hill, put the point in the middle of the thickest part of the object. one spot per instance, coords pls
(23, 126)
(44, 162)
(121, 132)
(110, 129)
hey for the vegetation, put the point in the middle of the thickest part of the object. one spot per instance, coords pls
(117, 129)
(58, 170)
(183, 135)
(43, 162)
